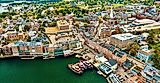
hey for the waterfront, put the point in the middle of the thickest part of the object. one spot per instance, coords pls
(44, 71)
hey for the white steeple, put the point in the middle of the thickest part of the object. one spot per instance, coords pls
(111, 13)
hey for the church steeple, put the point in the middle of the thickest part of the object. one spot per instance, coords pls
(111, 13)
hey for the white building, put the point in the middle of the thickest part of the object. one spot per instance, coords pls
(122, 40)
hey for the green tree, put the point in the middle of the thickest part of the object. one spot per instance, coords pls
(41, 29)
(133, 48)
(16, 28)
(156, 59)
(1, 20)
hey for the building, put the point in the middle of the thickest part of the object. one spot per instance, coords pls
(27, 49)
(14, 35)
(112, 78)
(119, 56)
(113, 63)
(51, 30)
(64, 34)
(1, 30)
(48, 50)
(105, 68)
(104, 31)
(151, 73)
(63, 25)
(116, 18)
(71, 44)
(127, 65)
(109, 51)
(7, 50)
(136, 69)
(15, 50)
(100, 58)
(136, 79)
(144, 54)
(67, 53)
(122, 40)
(140, 25)
(58, 52)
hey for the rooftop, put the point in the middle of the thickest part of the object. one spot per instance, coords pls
(62, 22)
(106, 69)
(125, 36)
(145, 21)
(112, 62)
(113, 78)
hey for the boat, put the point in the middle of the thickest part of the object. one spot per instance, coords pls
(75, 69)
(80, 66)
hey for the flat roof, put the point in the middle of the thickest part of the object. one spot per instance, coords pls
(125, 36)
(51, 30)
(144, 21)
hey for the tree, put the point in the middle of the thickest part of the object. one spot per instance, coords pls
(1, 20)
(132, 48)
(10, 17)
(41, 29)
(27, 27)
(156, 59)
(16, 28)
(29, 39)
(52, 24)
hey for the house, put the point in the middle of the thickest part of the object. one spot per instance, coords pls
(144, 54)
(63, 25)
(122, 40)
(75, 44)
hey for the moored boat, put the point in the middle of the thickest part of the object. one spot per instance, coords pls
(75, 68)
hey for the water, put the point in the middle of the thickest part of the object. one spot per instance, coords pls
(44, 71)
